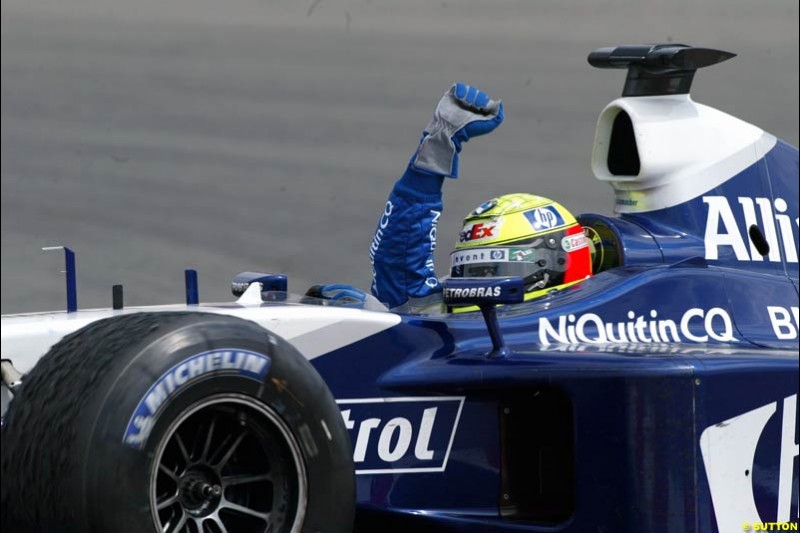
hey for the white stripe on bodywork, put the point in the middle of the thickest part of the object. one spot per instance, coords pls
(313, 330)
(728, 450)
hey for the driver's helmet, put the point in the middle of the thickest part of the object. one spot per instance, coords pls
(527, 236)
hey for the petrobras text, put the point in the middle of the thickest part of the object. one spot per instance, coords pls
(202, 366)
(753, 456)
(401, 435)
(723, 232)
(695, 325)
(472, 292)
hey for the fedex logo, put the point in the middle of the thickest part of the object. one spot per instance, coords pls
(543, 218)
(479, 231)
(401, 435)
(723, 231)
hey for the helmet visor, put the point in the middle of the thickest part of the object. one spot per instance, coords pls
(542, 261)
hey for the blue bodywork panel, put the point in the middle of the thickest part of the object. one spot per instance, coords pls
(624, 400)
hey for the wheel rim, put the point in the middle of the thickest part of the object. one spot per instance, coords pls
(228, 463)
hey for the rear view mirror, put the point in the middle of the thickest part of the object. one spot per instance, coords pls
(486, 293)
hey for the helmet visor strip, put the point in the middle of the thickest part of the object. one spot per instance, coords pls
(529, 261)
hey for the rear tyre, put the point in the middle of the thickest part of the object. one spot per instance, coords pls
(175, 422)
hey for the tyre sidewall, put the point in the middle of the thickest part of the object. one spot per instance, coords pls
(118, 475)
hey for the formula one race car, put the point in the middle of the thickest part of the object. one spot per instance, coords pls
(659, 395)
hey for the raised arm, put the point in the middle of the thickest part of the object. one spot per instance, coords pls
(405, 239)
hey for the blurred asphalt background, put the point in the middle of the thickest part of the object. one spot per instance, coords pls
(237, 135)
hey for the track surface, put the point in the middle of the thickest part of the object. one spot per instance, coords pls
(256, 135)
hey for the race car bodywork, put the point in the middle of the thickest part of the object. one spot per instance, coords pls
(658, 395)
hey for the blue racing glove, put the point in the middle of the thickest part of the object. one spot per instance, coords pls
(345, 296)
(463, 112)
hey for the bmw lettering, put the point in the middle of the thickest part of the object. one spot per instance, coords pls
(543, 218)
(785, 322)
(401, 435)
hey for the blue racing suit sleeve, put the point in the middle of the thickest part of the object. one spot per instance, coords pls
(402, 248)
(404, 242)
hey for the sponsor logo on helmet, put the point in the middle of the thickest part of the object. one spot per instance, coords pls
(522, 254)
(197, 368)
(570, 243)
(401, 435)
(723, 231)
(484, 207)
(466, 257)
(696, 325)
(479, 231)
(544, 218)
(492, 255)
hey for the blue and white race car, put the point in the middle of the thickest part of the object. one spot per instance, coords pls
(657, 395)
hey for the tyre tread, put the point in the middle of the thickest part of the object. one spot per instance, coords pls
(38, 462)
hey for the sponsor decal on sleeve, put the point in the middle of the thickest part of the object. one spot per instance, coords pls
(383, 224)
(379, 231)
(401, 435)
(544, 218)
(241, 363)
(432, 281)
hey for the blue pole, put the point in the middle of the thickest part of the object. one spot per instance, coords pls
(71, 277)
(72, 281)
(192, 294)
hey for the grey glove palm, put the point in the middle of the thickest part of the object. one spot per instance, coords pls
(462, 113)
